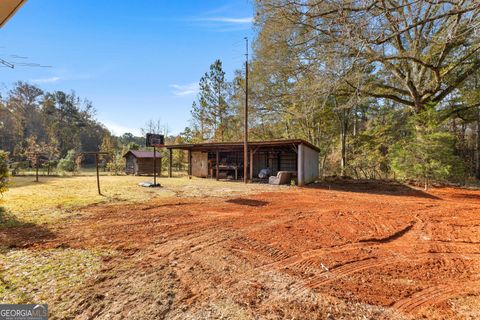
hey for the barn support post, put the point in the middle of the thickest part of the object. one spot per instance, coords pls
(217, 165)
(301, 169)
(170, 160)
(251, 163)
(279, 154)
(189, 164)
(245, 162)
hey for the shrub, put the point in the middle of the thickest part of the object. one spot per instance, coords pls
(116, 165)
(133, 146)
(67, 163)
(3, 171)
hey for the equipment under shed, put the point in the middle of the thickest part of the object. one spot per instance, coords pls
(224, 160)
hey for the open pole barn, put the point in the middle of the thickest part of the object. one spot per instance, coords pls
(224, 160)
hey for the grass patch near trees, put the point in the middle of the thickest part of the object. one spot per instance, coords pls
(54, 198)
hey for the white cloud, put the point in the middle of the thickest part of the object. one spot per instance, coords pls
(218, 10)
(118, 129)
(185, 89)
(246, 20)
(46, 80)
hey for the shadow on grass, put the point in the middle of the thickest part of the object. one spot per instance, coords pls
(372, 187)
(16, 233)
(248, 202)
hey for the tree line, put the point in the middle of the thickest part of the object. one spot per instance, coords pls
(51, 120)
(53, 128)
(50, 130)
(386, 89)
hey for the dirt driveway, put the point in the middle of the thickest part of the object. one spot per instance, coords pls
(338, 251)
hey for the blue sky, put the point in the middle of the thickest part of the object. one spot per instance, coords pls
(135, 60)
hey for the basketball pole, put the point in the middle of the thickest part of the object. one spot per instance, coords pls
(154, 165)
(154, 140)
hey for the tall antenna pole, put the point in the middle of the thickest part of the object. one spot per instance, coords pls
(245, 133)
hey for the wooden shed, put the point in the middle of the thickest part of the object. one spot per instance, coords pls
(141, 162)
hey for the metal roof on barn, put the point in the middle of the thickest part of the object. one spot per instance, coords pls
(239, 145)
(8, 8)
(142, 154)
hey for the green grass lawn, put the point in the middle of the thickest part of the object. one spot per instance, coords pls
(54, 198)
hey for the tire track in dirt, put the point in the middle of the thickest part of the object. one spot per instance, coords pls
(315, 253)
(295, 246)
(306, 260)
(434, 295)
(348, 269)
(260, 248)
(425, 298)
(317, 273)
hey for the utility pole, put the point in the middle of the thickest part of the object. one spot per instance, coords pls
(245, 134)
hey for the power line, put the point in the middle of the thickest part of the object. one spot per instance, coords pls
(14, 64)
(6, 63)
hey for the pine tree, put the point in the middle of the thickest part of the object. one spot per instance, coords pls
(211, 112)
(428, 152)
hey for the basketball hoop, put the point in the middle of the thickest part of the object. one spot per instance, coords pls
(155, 140)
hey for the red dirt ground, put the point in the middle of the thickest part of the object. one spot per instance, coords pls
(344, 250)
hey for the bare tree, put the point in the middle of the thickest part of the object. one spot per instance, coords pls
(155, 126)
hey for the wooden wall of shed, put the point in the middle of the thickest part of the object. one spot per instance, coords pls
(145, 166)
(200, 164)
(130, 164)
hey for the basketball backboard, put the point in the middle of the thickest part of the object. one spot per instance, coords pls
(154, 140)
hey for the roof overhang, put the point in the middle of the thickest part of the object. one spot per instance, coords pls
(158, 155)
(231, 146)
(8, 8)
